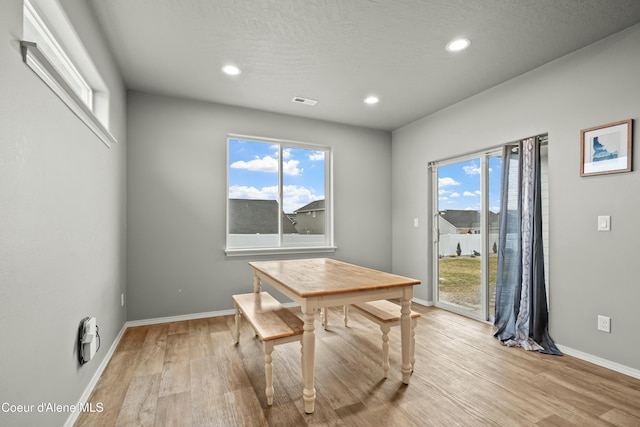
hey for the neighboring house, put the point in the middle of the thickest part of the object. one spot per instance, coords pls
(465, 222)
(258, 217)
(289, 223)
(310, 218)
(462, 228)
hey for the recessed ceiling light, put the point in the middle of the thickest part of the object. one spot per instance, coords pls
(371, 100)
(231, 70)
(458, 45)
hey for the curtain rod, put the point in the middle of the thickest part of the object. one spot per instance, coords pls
(543, 138)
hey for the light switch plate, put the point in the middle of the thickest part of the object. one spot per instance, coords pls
(604, 223)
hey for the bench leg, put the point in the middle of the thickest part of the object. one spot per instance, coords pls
(345, 312)
(385, 348)
(268, 371)
(237, 331)
(256, 284)
(325, 317)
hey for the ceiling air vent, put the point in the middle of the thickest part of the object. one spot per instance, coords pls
(305, 101)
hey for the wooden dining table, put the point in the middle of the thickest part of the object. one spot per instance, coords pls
(325, 282)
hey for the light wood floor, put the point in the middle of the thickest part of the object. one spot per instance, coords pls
(191, 374)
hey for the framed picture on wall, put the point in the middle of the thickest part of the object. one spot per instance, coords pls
(606, 149)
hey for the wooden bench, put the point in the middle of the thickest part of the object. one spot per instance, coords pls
(273, 323)
(386, 314)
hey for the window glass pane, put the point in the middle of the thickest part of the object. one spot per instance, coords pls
(303, 192)
(460, 242)
(277, 195)
(254, 209)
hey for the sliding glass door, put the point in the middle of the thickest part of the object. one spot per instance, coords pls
(466, 220)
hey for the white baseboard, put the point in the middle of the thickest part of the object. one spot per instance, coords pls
(422, 302)
(635, 373)
(94, 379)
(193, 316)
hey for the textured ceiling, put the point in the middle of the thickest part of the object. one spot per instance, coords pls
(339, 51)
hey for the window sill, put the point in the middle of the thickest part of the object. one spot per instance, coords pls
(34, 58)
(278, 251)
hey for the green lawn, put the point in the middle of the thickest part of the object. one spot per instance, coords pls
(460, 280)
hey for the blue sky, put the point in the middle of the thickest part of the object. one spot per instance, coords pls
(253, 173)
(459, 185)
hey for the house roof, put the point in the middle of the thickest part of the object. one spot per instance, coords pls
(316, 205)
(462, 219)
(257, 216)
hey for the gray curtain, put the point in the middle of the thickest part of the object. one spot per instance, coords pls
(521, 317)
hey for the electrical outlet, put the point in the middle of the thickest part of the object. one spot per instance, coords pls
(604, 323)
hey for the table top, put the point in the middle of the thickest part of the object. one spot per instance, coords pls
(325, 276)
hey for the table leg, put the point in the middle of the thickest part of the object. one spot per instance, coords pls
(405, 333)
(237, 318)
(384, 328)
(268, 370)
(256, 284)
(308, 360)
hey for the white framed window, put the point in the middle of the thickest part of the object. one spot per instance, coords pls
(279, 196)
(52, 49)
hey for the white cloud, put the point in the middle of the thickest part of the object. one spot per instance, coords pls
(296, 197)
(316, 155)
(265, 164)
(471, 169)
(244, 192)
(455, 194)
(270, 165)
(469, 194)
(291, 168)
(447, 181)
(441, 192)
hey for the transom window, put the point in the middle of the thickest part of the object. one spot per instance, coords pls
(55, 53)
(35, 30)
(279, 197)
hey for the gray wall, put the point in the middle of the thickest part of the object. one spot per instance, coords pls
(62, 227)
(591, 272)
(177, 199)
